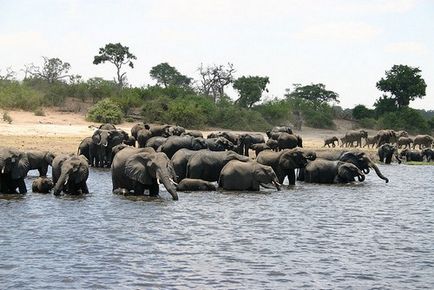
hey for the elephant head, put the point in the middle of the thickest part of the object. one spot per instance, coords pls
(49, 156)
(265, 175)
(363, 162)
(146, 168)
(347, 172)
(198, 143)
(295, 158)
(101, 137)
(14, 165)
(74, 171)
(224, 143)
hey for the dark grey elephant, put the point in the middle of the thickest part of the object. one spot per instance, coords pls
(42, 185)
(102, 144)
(86, 145)
(219, 144)
(174, 143)
(107, 126)
(188, 184)
(423, 141)
(238, 175)
(136, 169)
(137, 127)
(412, 155)
(40, 160)
(386, 152)
(428, 153)
(282, 129)
(194, 133)
(331, 141)
(245, 142)
(160, 130)
(143, 136)
(14, 166)
(356, 136)
(258, 148)
(207, 165)
(326, 171)
(404, 141)
(176, 130)
(231, 136)
(156, 142)
(285, 162)
(272, 144)
(180, 160)
(70, 173)
(289, 141)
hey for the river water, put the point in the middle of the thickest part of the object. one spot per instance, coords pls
(362, 236)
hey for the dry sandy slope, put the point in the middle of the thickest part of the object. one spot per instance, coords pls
(62, 132)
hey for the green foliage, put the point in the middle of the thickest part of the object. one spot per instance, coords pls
(313, 92)
(276, 112)
(404, 119)
(384, 105)
(367, 123)
(361, 112)
(167, 75)
(105, 111)
(431, 123)
(250, 89)
(39, 112)
(53, 70)
(403, 83)
(315, 114)
(14, 95)
(6, 117)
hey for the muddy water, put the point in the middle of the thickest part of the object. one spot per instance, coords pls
(370, 235)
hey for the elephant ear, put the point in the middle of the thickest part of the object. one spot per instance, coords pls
(136, 168)
(96, 137)
(21, 168)
(49, 156)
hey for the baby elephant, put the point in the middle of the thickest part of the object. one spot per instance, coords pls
(331, 140)
(42, 185)
(326, 171)
(238, 175)
(190, 184)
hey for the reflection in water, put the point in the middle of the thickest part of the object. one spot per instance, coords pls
(370, 235)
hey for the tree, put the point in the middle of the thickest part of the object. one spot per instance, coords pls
(313, 92)
(168, 75)
(403, 83)
(53, 70)
(250, 89)
(118, 55)
(361, 112)
(9, 75)
(215, 78)
(385, 105)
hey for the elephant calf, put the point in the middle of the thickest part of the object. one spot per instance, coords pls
(412, 155)
(189, 184)
(331, 141)
(42, 185)
(326, 171)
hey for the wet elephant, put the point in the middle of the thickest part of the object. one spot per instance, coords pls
(386, 152)
(180, 160)
(40, 160)
(70, 173)
(326, 171)
(42, 185)
(189, 184)
(14, 166)
(174, 143)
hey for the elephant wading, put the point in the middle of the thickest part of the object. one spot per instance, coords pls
(14, 166)
(237, 175)
(174, 143)
(42, 185)
(136, 169)
(70, 173)
(285, 162)
(180, 160)
(207, 165)
(326, 171)
(386, 152)
(40, 160)
(189, 184)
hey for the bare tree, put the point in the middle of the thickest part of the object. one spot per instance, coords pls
(9, 74)
(215, 78)
(53, 70)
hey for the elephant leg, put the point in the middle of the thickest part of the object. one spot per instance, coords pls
(154, 189)
(301, 174)
(21, 186)
(84, 188)
(139, 189)
(291, 177)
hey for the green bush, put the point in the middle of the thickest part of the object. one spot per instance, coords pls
(276, 112)
(368, 123)
(105, 111)
(6, 117)
(404, 119)
(315, 114)
(39, 112)
(13, 95)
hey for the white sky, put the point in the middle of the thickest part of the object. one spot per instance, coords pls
(345, 44)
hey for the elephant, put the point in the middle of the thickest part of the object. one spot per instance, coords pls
(245, 141)
(356, 136)
(231, 136)
(179, 161)
(238, 175)
(207, 164)
(176, 130)
(285, 162)
(412, 155)
(289, 141)
(404, 141)
(282, 129)
(102, 143)
(260, 147)
(107, 126)
(40, 160)
(137, 169)
(326, 171)
(272, 144)
(160, 130)
(424, 141)
(385, 136)
(386, 152)
(428, 153)
(42, 185)
(84, 148)
(174, 143)
(344, 141)
(194, 133)
(331, 140)
(370, 141)
(14, 166)
(189, 184)
(360, 159)
(219, 144)
(143, 136)
(156, 142)
(274, 135)
(137, 127)
(130, 141)
(70, 173)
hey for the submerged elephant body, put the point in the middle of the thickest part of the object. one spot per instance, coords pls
(189, 184)
(42, 185)
(326, 171)
(386, 152)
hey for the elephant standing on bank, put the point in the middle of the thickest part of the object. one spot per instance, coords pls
(331, 141)
(386, 152)
(404, 141)
(136, 169)
(174, 143)
(370, 141)
(423, 141)
(14, 166)
(207, 165)
(289, 141)
(285, 162)
(70, 173)
(356, 136)
(237, 175)
(40, 160)
(326, 171)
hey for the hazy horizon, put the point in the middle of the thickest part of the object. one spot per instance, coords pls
(346, 45)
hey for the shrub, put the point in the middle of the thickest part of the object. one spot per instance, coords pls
(276, 112)
(105, 111)
(6, 117)
(39, 112)
(14, 95)
(404, 119)
(368, 123)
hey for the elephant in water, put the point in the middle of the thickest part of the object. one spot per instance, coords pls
(14, 166)
(135, 169)
(180, 160)
(326, 171)
(70, 173)
(188, 184)
(42, 185)
(238, 175)
(40, 160)
(412, 155)
(386, 152)
(174, 143)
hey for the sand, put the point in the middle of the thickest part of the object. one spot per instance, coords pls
(62, 132)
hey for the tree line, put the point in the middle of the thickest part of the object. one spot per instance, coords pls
(203, 102)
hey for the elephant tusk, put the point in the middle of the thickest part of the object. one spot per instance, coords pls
(3, 170)
(158, 181)
(173, 181)
(66, 180)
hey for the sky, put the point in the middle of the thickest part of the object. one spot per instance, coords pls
(345, 44)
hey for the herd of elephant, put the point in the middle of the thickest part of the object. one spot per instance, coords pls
(185, 161)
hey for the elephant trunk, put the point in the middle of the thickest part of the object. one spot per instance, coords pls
(169, 184)
(377, 170)
(276, 184)
(61, 182)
